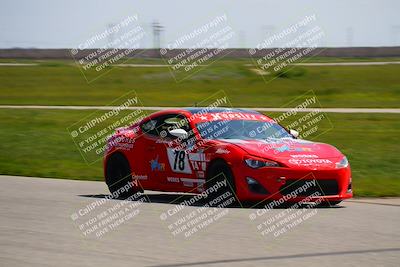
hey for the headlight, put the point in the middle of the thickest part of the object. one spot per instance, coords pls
(342, 164)
(255, 163)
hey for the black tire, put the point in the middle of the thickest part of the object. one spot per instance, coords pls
(327, 204)
(218, 172)
(119, 177)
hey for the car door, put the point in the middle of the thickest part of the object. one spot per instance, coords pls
(151, 161)
(186, 163)
(168, 163)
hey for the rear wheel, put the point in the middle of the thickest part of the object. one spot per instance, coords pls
(119, 177)
(221, 185)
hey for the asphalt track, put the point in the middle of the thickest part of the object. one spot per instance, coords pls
(306, 110)
(38, 228)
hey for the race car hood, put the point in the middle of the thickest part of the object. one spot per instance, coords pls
(290, 151)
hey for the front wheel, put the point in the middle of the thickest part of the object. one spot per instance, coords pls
(220, 184)
(326, 204)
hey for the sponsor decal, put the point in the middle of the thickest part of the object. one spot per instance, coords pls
(178, 161)
(190, 182)
(309, 161)
(157, 166)
(222, 151)
(139, 177)
(303, 149)
(124, 146)
(285, 140)
(297, 149)
(200, 174)
(173, 179)
(305, 156)
(199, 157)
(120, 142)
(199, 161)
(199, 165)
(233, 116)
(162, 141)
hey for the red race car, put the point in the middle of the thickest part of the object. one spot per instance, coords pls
(198, 149)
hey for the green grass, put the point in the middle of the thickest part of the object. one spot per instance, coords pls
(36, 143)
(62, 83)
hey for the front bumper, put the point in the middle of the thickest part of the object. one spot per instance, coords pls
(293, 184)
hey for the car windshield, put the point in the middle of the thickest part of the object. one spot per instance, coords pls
(241, 129)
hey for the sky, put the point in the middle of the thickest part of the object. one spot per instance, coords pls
(67, 24)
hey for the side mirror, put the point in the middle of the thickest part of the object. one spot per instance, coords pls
(294, 133)
(180, 133)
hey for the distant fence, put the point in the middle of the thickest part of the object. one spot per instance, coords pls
(232, 53)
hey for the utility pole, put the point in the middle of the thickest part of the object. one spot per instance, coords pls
(111, 36)
(157, 29)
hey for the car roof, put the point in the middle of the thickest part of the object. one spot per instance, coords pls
(188, 111)
(195, 110)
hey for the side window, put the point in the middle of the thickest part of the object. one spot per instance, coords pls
(171, 121)
(159, 126)
(149, 127)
